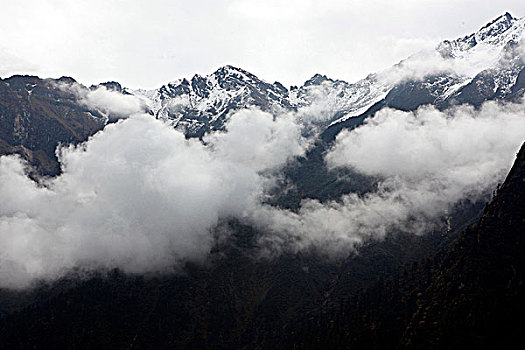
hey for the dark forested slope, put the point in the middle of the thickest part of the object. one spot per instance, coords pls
(468, 295)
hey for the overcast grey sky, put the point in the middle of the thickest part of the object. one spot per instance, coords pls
(148, 43)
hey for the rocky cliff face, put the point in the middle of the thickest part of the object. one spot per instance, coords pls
(36, 116)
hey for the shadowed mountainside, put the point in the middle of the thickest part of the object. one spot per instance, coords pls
(36, 116)
(468, 295)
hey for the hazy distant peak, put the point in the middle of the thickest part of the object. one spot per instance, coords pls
(317, 79)
(498, 32)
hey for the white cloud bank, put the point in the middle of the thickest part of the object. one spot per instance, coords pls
(112, 104)
(429, 161)
(137, 196)
(140, 197)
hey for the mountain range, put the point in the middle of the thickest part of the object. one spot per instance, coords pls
(458, 285)
(482, 66)
(486, 65)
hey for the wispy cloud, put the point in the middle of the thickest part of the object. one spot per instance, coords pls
(112, 104)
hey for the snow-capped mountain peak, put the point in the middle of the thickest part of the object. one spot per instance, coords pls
(487, 58)
(496, 34)
(495, 28)
(204, 102)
